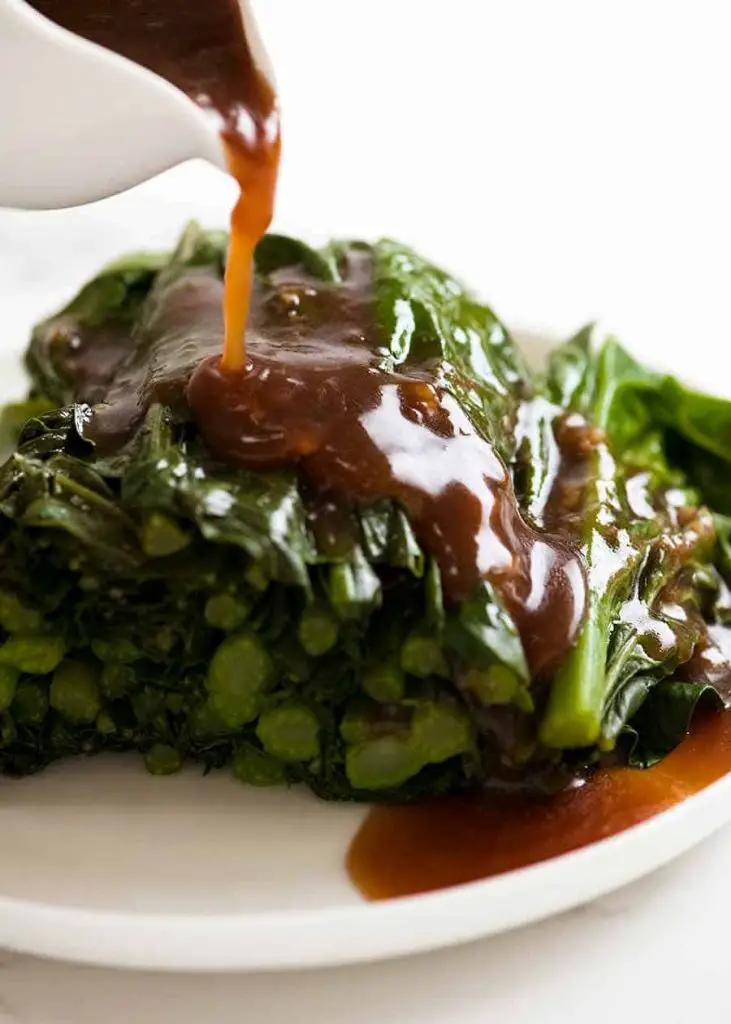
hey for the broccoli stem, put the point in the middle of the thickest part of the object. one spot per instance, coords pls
(573, 717)
(576, 704)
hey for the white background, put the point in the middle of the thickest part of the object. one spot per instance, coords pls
(571, 160)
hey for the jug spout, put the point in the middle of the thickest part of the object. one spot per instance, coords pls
(85, 123)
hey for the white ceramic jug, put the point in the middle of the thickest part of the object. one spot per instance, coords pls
(78, 122)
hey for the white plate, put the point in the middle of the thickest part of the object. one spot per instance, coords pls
(101, 863)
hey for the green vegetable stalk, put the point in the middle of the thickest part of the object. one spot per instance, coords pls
(644, 615)
(153, 599)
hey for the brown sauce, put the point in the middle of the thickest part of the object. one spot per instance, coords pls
(710, 662)
(316, 398)
(311, 394)
(183, 326)
(203, 49)
(401, 851)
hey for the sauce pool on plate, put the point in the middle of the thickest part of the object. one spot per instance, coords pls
(402, 851)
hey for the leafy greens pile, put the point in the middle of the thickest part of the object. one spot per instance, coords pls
(156, 600)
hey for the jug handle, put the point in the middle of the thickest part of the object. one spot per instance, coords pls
(85, 123)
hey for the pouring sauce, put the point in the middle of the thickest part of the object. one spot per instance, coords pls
(204, 50)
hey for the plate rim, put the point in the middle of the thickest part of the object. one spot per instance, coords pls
(364, 932)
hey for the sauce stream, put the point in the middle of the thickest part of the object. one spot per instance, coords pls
(203, 49)
(256, 176)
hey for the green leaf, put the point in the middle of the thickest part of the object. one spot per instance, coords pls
(76, 354)
(426, 314)
(110, 302)
(482, 632)
(278, 252)
(353, 588)
(13, 418)
(537, 457)
(262, 514)
(628, 561)
(664, 718)
(601, 380)
(703, 420)
(387, 536)
(572, 371)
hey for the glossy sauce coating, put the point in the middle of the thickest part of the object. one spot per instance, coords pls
(312, 394)
(400, 851)
(710, 662)
(203, 49)
(181, 327)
